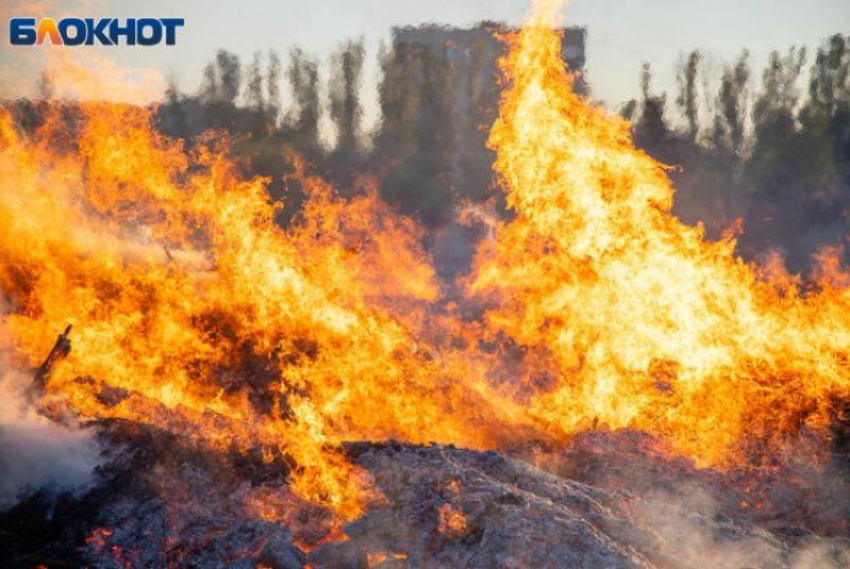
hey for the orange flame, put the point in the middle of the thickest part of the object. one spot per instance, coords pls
(648, 325)
(176, 277)
(376, 559)
(451, 520)
(192, 310)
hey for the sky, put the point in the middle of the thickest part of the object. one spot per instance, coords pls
(622, 34)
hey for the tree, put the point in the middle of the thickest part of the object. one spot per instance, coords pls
(254, 94)
(222, 79)
(687, 99)
(346, 110)
(273, 87)
(229, 76)
(651, 130)
(733, 104)
(304, 80)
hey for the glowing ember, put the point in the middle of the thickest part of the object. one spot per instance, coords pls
(375, 559)
(451, 520)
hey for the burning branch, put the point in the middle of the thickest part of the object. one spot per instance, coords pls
(60, 349)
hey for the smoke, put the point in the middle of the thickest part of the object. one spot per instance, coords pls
(696, 532)
(785, 515)
(35, 452)
(819, 553)
(711, 523)
(688, 524)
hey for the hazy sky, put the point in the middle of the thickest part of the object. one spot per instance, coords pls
(622, 34)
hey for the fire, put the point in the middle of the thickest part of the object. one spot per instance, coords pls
(646, 324)
(98, 535)
(100, 540)
(194, 311)
(451, 520)
(375, 559)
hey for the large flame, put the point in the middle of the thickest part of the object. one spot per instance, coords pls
(649, 325)
(195, 312)
(184, 292)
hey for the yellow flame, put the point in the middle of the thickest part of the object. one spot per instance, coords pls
(648, 325)
(195, 312)
(175, 276)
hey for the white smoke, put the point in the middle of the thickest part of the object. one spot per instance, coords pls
(36, 453)
(693, 534)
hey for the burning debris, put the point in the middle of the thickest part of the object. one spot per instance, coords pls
(161, 502)
(680, 405)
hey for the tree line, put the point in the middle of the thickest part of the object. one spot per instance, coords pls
(772, 149)
(768, 149)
